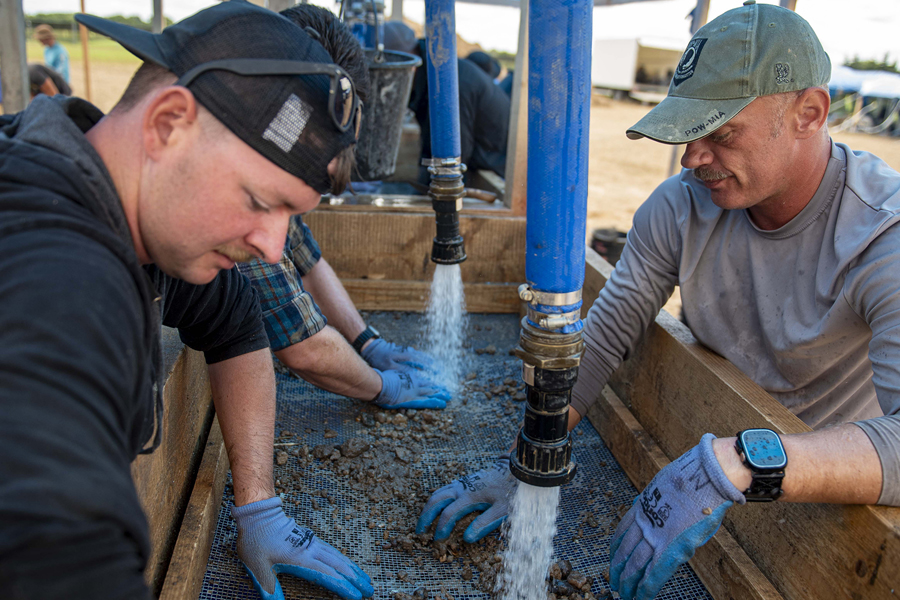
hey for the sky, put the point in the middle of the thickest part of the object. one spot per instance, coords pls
(865, 28)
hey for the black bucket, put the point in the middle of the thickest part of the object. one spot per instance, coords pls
(390, 83)
(609, 244)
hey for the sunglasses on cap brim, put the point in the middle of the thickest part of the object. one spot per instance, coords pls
(343, 102)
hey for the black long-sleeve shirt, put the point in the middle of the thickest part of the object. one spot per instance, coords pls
(80, 360)
(483, 117)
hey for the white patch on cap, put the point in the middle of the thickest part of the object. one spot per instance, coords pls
(288, 125)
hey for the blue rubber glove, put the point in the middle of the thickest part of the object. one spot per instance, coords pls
(489, 490)
(270, 542)
(675, 514)
(386, 356)
(401, 389)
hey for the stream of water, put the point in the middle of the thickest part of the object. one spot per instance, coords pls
(445, 323)
(529, 532)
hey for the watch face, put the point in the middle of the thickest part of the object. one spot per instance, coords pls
(763, 449)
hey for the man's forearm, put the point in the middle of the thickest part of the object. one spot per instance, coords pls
(327, 361)
(243, 390)
(333, 300)
(837, 465)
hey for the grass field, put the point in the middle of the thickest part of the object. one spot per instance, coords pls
(100, 50)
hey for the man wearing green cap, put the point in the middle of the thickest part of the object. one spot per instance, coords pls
(785, 246)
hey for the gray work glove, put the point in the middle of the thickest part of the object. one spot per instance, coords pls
(269, 542)
(675, 514)
(412, 389)
(489, 490)
(386, 356)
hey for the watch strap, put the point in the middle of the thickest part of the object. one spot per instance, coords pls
(764, 486)
(367, 334)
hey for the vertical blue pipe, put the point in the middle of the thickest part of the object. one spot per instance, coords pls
(559, 105)
(443, 78)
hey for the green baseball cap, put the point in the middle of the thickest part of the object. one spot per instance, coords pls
(751, 51)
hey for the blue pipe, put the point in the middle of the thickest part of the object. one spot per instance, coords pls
(443, 78)
(559, 106)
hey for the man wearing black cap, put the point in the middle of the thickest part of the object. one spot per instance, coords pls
(785, 246)
(113, 225)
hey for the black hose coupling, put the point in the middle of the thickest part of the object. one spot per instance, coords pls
(447, 191)
(543, 453)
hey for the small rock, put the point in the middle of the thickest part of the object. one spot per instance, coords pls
(330, 433)
(551, 596)
(707, 511)
(472, 375)
(555, 572)
(420, 593)
(400, 420)
(577, 579)
(402, 454)
(519, 397)
(335, 454)
(367, 420)
(281, 458)
(381, 417)
(467, 574)
(591, 521)
(565, 568)
(562, 588)
(354, 447)
(322, 450)
(492, 349)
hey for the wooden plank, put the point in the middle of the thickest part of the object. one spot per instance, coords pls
(678, 391)
(517, 141)
(722, 565)
(164, 479)
(13, 64)
(185, 575)
(368, 294)
(397, 246)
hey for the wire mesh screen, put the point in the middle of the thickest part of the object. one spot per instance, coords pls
(358, 476)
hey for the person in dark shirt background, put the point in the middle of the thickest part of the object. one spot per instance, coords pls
(483, 107)
(45, 80)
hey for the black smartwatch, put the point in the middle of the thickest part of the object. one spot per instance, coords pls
(368, 334)
(763, 453)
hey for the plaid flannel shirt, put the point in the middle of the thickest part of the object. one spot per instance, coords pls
(290, 314)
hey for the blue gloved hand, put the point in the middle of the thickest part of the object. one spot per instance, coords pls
(270, 542)
(489, 490)
(401, 389)
(675, 514)
(386, 356)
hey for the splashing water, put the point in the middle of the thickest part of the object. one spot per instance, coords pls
(529, 531)
(445, 321)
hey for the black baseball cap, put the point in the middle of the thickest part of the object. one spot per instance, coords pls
(260, 75)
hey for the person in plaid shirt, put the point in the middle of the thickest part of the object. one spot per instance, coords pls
(299, 296)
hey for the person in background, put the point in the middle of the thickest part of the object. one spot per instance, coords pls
(483, 107)
(488, 63)
(44, 80)
(55, 54)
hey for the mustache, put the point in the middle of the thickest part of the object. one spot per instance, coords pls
(709, 174)
(236, 254)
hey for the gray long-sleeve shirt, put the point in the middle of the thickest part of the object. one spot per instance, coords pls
(810, 311)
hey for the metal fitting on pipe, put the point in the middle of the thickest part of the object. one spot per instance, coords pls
(543, 453)
(446, 191)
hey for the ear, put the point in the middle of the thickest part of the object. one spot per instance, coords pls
(811, 112)
(170, 118)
